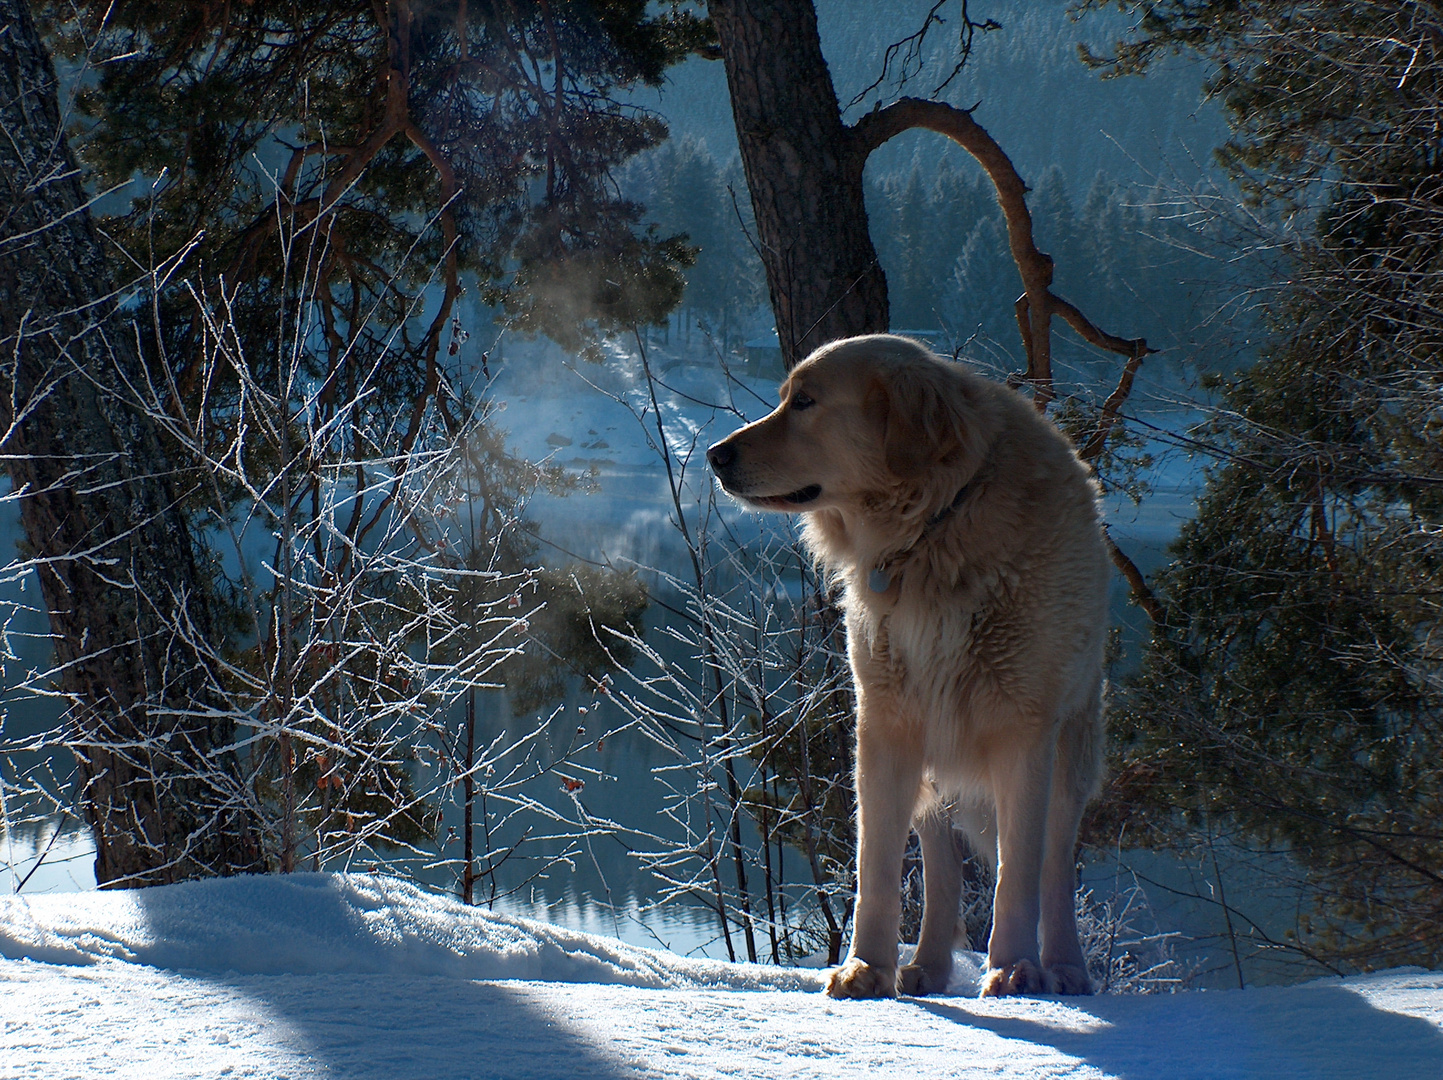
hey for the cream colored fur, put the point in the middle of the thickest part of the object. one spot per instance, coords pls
(978, 670)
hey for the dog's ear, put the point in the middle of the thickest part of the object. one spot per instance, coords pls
(922, 419)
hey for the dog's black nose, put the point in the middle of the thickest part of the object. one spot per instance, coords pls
(721, 455)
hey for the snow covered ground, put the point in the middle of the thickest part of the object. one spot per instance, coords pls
(320, 975)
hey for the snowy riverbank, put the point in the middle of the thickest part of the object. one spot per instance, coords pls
(320, 975)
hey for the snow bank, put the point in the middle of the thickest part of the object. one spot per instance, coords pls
(312, 924)
(318, 976)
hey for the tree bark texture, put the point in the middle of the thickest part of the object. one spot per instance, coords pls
(129, 612)
(804, 171)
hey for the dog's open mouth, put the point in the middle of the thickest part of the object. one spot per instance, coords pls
(796, 498)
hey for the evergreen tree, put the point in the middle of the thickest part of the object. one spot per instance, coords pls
(984, 282)
(700, 211)
(912, 283)
(1099, 226)
(959, 199)
(688, 192)
(1296, 693)
(1057, 227)
(417, 135)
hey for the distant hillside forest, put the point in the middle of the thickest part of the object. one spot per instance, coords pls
(1025, 80)
(1124, 254)
(1106, 161)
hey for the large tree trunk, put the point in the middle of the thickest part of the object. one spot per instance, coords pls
(116, 562)
(804, 171)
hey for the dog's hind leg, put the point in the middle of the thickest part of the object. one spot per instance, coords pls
(1074, 780)
(942, 888)
(1064, 967)
(889, 781)
(1020, 777)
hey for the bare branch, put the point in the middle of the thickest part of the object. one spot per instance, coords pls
(1142, 594)
(911, 50)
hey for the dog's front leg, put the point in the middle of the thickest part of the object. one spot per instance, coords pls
(889, 779)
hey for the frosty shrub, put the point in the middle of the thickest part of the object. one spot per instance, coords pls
(1126, 951)
(243, 424)
(744, 688)
(361, 573)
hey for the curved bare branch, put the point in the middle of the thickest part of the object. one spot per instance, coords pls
(1036, 306)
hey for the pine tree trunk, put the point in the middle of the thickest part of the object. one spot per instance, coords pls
(804, 172)
(116, 560)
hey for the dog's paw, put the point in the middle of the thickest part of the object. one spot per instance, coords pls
(1018, 977)
(1067, 979)
(858, 979)
(916, 980)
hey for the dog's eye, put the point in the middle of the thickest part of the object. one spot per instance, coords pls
(801, 401)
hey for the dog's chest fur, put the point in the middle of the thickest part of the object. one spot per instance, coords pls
(937, 647)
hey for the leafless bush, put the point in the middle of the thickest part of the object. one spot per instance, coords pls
(744, 687)
(1126, 951)
(366, 589)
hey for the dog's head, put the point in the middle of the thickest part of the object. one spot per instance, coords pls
(858, 416)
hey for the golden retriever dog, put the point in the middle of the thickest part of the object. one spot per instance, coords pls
(964, 532)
